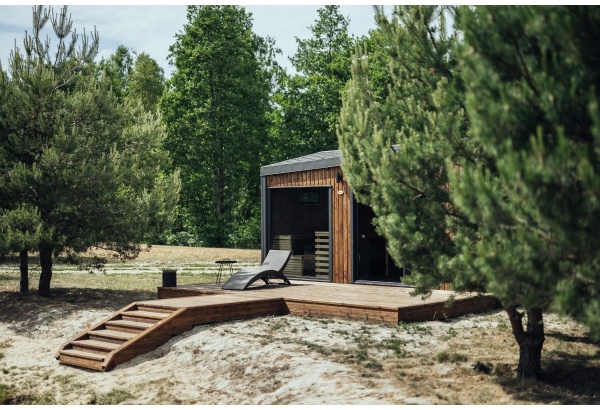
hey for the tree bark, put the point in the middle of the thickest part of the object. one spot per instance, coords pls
(24, 268)
(46, 275)
(530, 340)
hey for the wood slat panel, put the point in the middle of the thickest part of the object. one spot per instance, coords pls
(340, 213)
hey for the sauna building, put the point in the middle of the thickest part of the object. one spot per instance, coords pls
(308, 208)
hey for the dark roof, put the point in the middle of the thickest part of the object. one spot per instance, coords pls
(318, 160)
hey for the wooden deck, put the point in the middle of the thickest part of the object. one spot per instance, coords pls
(384, 304)
(143, 326)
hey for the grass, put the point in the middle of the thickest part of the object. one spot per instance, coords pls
(194, 265)
(10, 395)
(112, 398)
(395, 345)
(7, 393)
(449, 334)
(318, 348)
(451, 357)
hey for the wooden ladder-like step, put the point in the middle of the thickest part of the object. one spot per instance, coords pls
(95, 348)
(82, 359)
(132, 326)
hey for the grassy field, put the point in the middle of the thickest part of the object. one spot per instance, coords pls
(467, 360)
(194, 265)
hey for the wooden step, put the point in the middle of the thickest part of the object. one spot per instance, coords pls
(156, 309)
(85, 355)
(144, 316)
(94, 346)
(82, 359)
(129, 326)
(110, 336)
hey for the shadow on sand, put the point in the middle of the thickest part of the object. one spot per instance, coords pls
(566, 378)
(22, 310)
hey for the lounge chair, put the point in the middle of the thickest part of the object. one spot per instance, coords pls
(271, 268)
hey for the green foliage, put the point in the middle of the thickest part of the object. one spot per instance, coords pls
(116, 70)
(20, 229)
(182, 238)
(310, 100)
(482, 166)
(536, 205)
(398, 130)
(81, 168)
(139, 78)
(215, 112)
(146, 81)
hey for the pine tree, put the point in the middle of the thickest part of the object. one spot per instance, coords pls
(88, 166)
(395, 140)
(20, 231)
(532, 77)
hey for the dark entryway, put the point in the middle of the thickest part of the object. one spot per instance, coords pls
(373, 263)
(300, 222)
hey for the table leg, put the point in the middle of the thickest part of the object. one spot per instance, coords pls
(219, 274)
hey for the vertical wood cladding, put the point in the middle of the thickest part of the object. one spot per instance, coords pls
(340, 213)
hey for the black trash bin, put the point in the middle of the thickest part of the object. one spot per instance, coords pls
(169, 278)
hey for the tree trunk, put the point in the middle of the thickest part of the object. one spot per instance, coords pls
(24, 268)
(46, 275)
(531, 341)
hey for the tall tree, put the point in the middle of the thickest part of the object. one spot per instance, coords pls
(395, 140)
(215, 114)
(312, 98)
(87, 165)
(136, 76)
(533, 83)
(146, 81)
(117, 69)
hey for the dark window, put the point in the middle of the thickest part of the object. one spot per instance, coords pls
(310, 198)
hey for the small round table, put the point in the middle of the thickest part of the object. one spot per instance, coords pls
(222, 266)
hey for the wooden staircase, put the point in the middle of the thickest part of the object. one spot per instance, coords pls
(143, 326)
(133, 330)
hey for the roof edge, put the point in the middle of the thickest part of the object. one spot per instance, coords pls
(284, 168)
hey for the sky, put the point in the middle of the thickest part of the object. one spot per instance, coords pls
(151, 28)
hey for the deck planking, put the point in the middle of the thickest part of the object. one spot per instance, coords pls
(389, 304)
(143, 326)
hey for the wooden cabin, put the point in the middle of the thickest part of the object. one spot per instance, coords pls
(308, 207)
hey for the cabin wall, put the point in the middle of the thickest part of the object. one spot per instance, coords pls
(341, 237)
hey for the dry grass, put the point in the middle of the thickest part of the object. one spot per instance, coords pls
(187, 254)
(194, 265)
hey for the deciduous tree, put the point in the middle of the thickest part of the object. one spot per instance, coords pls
(146, 81)
(215, 111)
(311, 99)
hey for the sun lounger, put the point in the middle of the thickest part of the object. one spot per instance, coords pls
(271, 268)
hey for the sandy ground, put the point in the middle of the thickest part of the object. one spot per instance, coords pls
(273, 360)
(278, 360)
